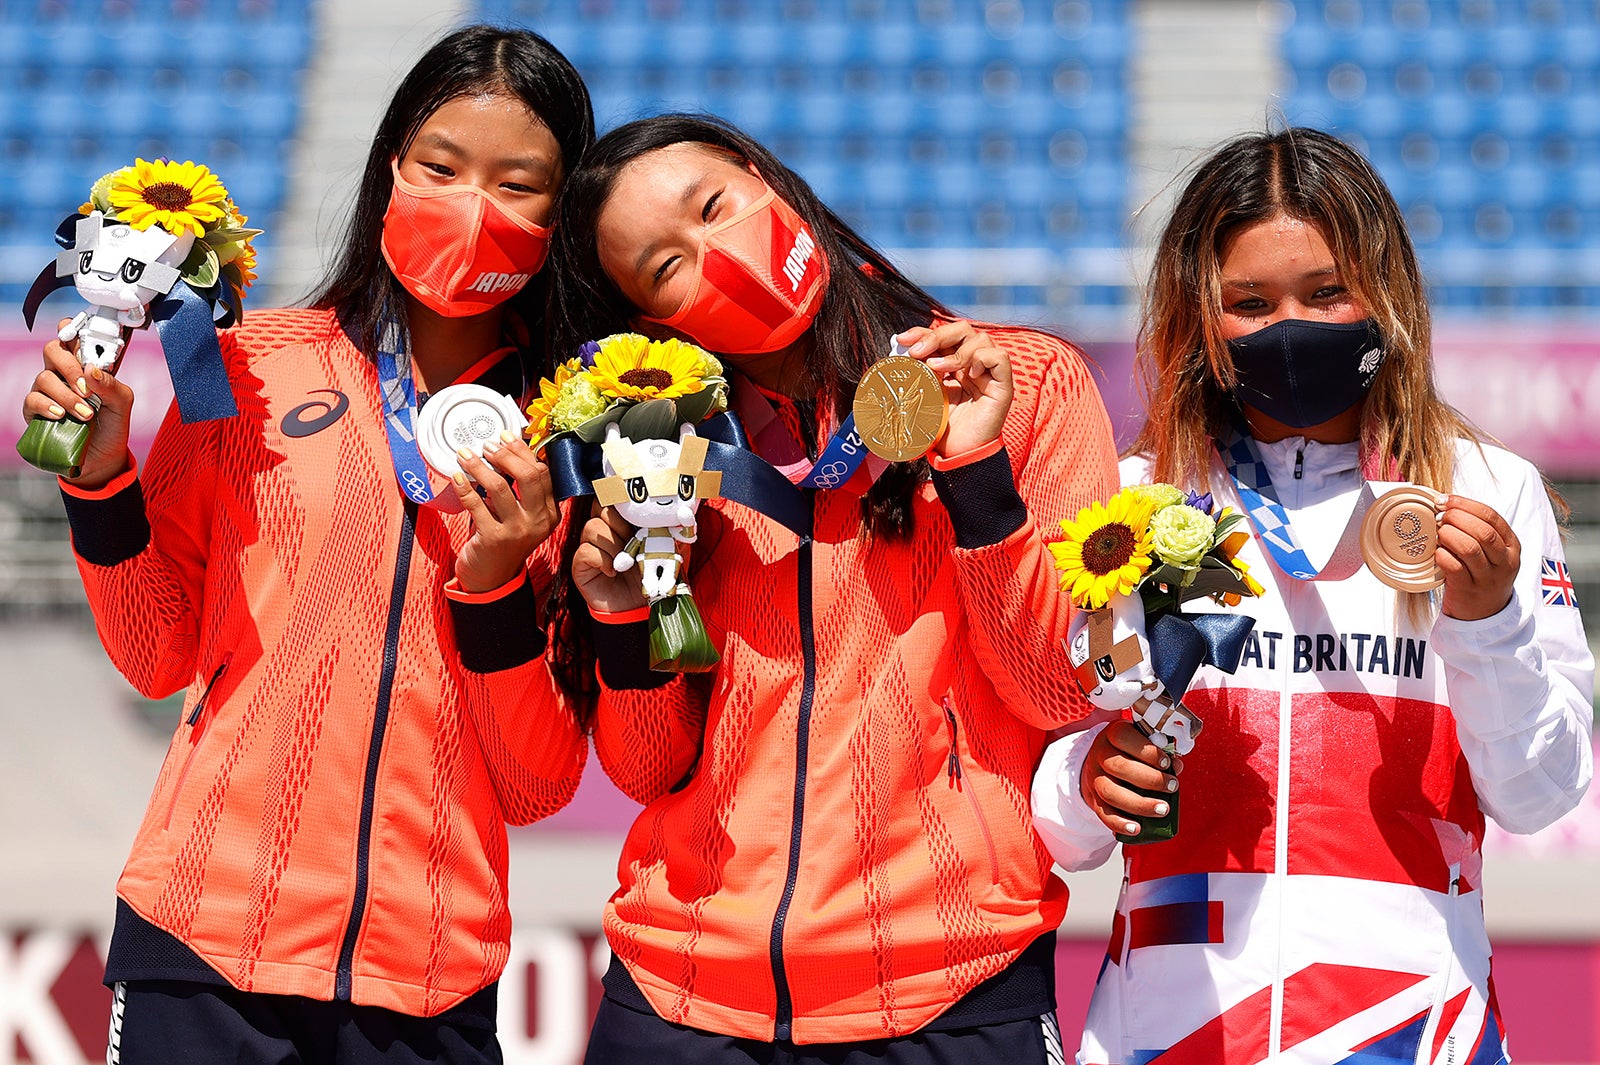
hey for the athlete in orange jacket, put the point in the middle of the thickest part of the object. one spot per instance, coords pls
(330, 818)
(321, 873)
(836, 845)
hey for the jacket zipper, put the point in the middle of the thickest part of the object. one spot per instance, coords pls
(784, 1014)
(1299, 462)
(193, 720)
(956, 781)
(1280, 845)
(380, 721)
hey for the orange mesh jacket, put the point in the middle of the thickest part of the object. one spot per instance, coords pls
(852, 849)
(330, 818)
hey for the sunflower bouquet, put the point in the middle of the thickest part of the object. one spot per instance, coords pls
(637, 401)
(156, 242)
(1129, 565)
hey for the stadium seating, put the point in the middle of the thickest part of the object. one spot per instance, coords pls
(1483, 116)
(88, 85)
(929, 124)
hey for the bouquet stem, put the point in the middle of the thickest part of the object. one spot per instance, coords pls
(55, 446)
(678, 639)
(1155, 829)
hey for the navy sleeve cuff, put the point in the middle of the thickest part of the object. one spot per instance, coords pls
(108, 530)
(498, 633)
(623, 651)
(982, 500)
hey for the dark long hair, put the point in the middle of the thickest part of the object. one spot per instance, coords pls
(867, 302)
(359, 286)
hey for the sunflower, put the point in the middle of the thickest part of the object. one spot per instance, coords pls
(1106, 551)
(549, 391)
(629, 366)
(178, 197)
(246, 263)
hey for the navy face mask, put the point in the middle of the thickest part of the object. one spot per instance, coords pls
(1304, 373)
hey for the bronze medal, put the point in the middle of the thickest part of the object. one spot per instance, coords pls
(900, 409)
(1398, 537)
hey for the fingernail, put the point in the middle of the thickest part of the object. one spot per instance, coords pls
(83, 387)
(464, 453)
(459, 478)
(1130, 828)
(1165, 761)
(55, 411)
(1161, 809)
(83, 410)
(508, 437)
(490, 445)
(1172, 785)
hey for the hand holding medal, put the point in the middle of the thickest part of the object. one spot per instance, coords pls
(944, 389)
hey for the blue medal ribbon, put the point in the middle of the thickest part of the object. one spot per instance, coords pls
(1271, 522)
(399, 395)
(841, 457)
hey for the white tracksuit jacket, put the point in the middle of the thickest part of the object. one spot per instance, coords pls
(1320, 902)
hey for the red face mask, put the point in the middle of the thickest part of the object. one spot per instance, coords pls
(456, 249)
(758, 283)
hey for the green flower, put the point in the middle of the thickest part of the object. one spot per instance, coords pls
(579, 401)
(1159, 496)
(709, 366)
(1181, 535)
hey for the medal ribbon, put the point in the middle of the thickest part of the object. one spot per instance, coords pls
(1271, 522)
(399, 395)
(841, 456)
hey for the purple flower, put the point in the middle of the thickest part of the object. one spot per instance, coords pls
(587, 353)
(1202, 503)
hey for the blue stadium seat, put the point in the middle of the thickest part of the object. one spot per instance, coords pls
(85, 88)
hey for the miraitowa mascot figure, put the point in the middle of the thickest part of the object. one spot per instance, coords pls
(1110, 654)
(176, 255)
(657, 484)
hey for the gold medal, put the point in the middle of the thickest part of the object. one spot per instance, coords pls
(900, 409)
(1398, 538)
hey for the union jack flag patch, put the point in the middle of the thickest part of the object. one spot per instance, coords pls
(1555, 583)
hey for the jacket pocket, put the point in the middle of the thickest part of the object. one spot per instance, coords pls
(956, 777)
(1440, 1012)
(195, 722)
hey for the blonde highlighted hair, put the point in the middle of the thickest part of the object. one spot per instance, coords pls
(1183, 364)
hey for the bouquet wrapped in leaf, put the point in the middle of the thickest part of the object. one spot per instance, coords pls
(639, 400)
(1129, 565)
(156, 242)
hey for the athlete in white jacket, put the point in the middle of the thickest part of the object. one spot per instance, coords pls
(1320, 901)
(1323, 888)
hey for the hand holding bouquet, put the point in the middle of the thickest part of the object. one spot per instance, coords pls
(156, 241)
(1130, 565)
(638, 400)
